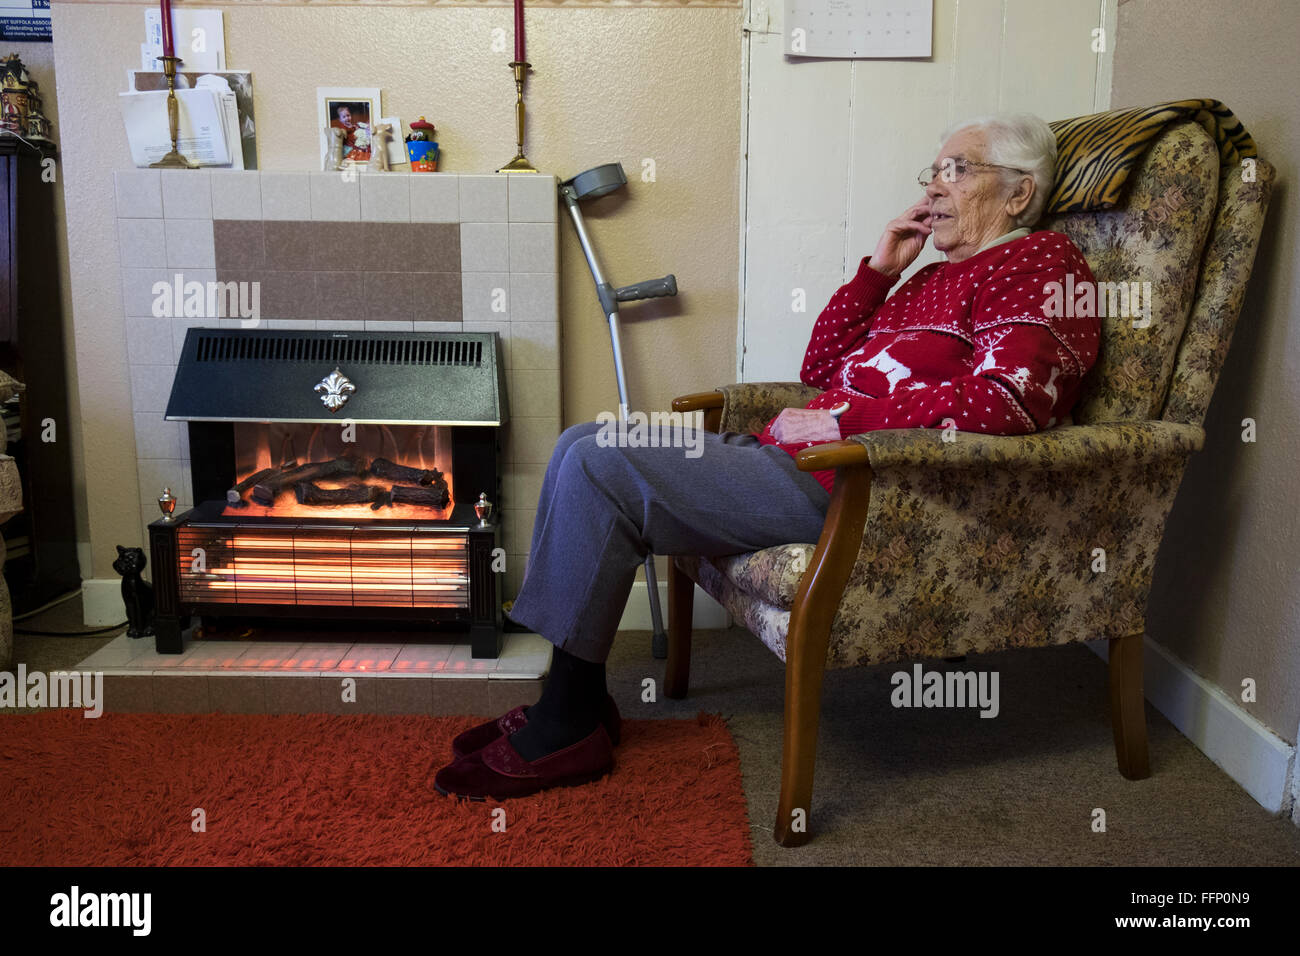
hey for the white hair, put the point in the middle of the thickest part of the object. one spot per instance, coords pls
(1021, 141)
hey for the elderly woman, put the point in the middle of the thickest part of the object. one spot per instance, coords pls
(967, 343)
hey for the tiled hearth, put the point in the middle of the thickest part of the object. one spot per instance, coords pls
(395, 251)
(254, 677)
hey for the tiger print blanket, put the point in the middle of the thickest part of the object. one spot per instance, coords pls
(1096, 153)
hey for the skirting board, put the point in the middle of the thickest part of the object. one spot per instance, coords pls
(102, 606)
(101, 602)
(1260, 761)
(1295, 788)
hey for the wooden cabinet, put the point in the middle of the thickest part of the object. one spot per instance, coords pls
(42, 540)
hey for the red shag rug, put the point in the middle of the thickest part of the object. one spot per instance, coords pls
(320, 790)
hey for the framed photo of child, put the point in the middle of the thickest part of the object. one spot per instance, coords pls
(347, 114)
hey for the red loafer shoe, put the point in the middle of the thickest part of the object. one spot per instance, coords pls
(499, 772)
(476, 738)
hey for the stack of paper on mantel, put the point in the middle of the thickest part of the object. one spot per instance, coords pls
(210, 131)
(207, 133)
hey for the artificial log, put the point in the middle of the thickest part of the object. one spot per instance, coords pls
(428, 497)
(264, 492)
(383, 468)
(312, 494)
(235, 495)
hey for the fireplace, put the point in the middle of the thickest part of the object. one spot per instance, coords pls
(337, 477)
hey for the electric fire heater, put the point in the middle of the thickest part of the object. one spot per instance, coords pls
(337, 476)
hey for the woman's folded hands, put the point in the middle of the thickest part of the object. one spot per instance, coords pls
(805, 424)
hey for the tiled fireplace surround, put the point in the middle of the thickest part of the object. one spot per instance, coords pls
(440, 252)
(384, 251)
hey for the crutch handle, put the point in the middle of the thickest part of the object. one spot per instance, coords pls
(649, 289)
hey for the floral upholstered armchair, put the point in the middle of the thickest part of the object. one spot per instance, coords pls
(935, 548)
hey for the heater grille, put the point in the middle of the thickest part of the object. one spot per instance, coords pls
(322, 566)
(370, 351)
(418, 378)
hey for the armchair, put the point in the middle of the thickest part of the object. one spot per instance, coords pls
(939, 546)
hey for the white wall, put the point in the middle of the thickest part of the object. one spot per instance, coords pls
(1226, 595)
(834, 146)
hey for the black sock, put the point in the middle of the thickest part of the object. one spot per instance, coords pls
(570, 707)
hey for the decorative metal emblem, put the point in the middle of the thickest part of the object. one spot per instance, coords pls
(335, 388)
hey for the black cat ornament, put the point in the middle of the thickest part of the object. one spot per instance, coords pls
(137, 594)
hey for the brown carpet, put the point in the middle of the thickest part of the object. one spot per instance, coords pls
(922, 787)
(944, 787)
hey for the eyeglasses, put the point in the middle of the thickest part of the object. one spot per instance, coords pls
(955, 170)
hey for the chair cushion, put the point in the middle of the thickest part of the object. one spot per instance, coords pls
(1153, 238)
(772, 574)
(764, 620)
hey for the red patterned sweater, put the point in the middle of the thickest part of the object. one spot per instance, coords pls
(969, 341)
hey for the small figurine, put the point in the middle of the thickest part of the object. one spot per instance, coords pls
(137, 594)
(38, 125)
(379, 137)
(14, 97)
(421, 131)
(336, 140)
(420, 147)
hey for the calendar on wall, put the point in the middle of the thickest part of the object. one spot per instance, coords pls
(858, 28)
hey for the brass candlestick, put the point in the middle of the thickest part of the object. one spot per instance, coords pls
(519, 164)
(174, 159)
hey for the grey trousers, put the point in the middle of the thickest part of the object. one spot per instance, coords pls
(603, 509)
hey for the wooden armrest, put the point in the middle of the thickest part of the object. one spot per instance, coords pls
(832, 454)
(697, 401)
(708, 402)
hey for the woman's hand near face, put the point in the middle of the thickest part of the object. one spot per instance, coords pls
(903, 240)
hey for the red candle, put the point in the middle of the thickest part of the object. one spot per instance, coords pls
(168, 49)
(519, 31)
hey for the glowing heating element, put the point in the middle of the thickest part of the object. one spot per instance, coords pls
(340, 565)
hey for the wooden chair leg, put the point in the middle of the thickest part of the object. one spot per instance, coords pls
(806, 642)
(1127, 713)
(681, 604)
(805, 668)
